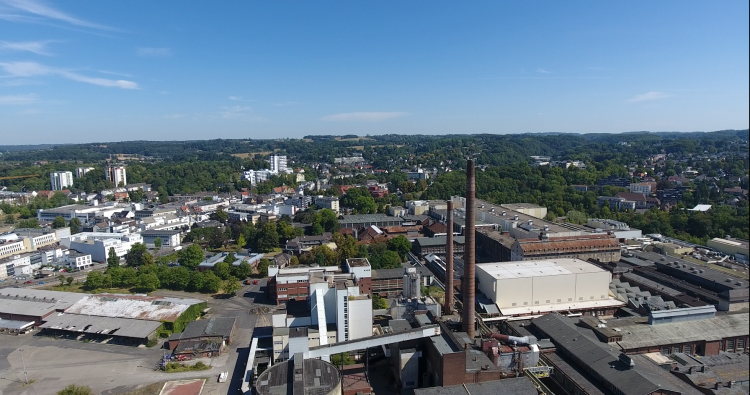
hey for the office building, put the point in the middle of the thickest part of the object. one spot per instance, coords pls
(81, 171)
(116, 175)
(60, 180)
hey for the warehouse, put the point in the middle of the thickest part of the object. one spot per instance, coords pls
(124, 319)
(536, 287)
(24, 304)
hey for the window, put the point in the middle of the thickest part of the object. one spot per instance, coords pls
(570, 299)
(676, 349)
(513, 304)
(665, 350)
(547, 301)
(688, 349)
(740, 344)
(525, 303)
(580, 298)
(730, 345)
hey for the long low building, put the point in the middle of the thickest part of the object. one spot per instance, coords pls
(24, 304)
(124, 319)
(725, 332)
(535, 287)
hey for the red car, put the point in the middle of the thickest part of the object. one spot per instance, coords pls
(255, 282)
(28, 282)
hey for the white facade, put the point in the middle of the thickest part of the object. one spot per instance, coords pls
(278, 164)
(643, 188)
(79, 261)
(116, 174)
(60, 180)
(81, 171)
(257, 176)
(11, 247)
(537, 284)
(329, 202)
(98, 244)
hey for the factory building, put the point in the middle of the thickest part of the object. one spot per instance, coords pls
(541, 286)
(300, 377)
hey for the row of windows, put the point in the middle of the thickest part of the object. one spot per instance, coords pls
(580, 298)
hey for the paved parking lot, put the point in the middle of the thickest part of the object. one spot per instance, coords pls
(112, 369)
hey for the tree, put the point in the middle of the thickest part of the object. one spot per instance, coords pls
(157, 243)
(211, 283)
(263, 267)
(268, 238)
(69, 280)
(94, 280)
(342, 359)
(230, 258)
(223, 270)
(61, 278)
(399, 244)
(294, 260)
(241, 242)
(316, 229)
(75, 390)
(379, 303)
(58, 222)
(135, 257)
(220, 215)
(243, 270)
(75, 225)
(230, 286)
(28, 223)
(191, 256)
(148, 282)
(112, 259)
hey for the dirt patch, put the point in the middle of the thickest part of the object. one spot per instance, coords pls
(251, 154)
(151, 389)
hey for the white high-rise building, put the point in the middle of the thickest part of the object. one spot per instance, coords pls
(81, 171)
(278, 164)
(60, 180)
(116, 174)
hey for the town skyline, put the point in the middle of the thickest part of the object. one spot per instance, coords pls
(71, 71)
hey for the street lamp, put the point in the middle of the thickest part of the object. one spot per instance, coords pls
(25, 376)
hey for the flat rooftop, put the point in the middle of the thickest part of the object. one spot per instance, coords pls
(712, 329)
(122, 327)
(511, 386)
(358, 262)
(132, 306)
(537, 268)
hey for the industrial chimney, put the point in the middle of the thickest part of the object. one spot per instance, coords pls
(448, 307)
(469, 293)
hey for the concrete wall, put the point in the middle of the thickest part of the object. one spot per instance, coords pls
(360, 318)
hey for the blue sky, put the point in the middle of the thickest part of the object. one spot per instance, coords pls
(84, 71)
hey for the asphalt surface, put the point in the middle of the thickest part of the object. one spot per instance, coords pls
(51, 364)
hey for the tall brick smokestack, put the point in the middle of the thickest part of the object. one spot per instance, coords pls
(468, 289)
(448, 308)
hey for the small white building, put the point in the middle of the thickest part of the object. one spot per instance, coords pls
(98, 244)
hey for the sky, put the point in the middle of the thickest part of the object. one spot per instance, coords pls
(95, 71)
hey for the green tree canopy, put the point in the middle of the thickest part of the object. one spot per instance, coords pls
(136, 256)
(113, 261)
(58, 222)
(223, 270)
(75, 225)
(191, 256)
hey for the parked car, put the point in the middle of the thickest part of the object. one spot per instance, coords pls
(255, 282)
(41, 282)
(246, 282)
(28, 282)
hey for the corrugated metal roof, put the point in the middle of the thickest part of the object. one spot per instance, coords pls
(512, 386)
(101, 325)
(132, 306)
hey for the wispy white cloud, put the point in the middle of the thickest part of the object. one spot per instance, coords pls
(235, 98)
(543, 71)
(236, 112)
(649, 96)
(149, 52)
(31, 69)
(364, 116)
(18, 99)
(39, 10)
(37, 47)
